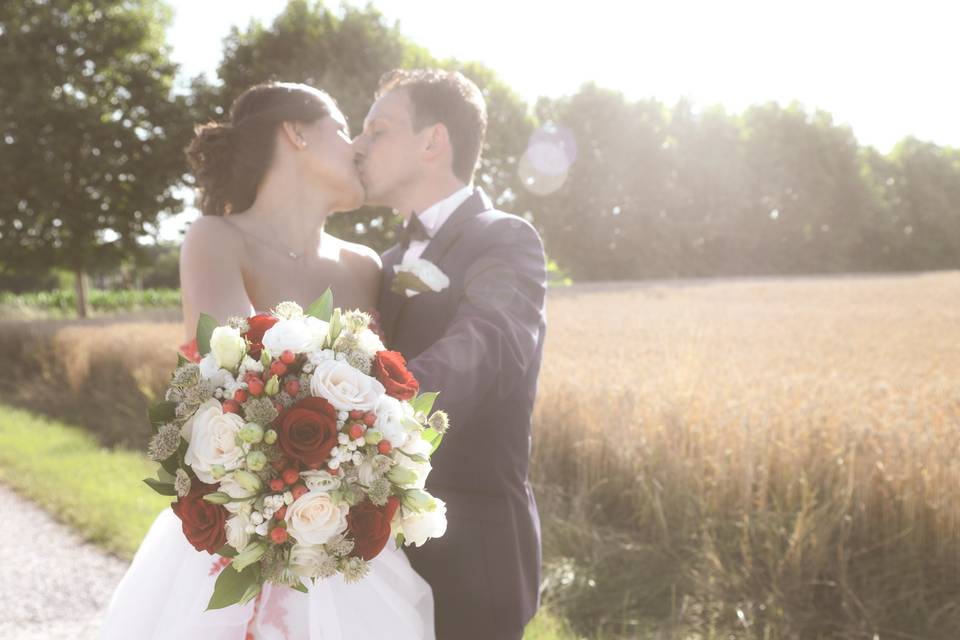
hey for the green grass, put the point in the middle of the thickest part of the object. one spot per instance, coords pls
(99, 492)
(62, 302)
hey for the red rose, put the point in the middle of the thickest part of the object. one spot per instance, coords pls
(307, 431)
(203, 522)
(190, 351)
(390, 368)
(370, 526)
(258, 326)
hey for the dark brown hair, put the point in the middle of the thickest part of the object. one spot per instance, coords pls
(229, 159)
(449, 98)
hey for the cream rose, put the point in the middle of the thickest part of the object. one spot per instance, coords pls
(419, 527)
(288, 335)
(344, 387)
(228, 347)
(314, 519)
(232, 488)
(306, 560)
(211, 371)
(212, 435)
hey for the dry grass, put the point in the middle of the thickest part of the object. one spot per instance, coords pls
(787, 449)
(749, 459)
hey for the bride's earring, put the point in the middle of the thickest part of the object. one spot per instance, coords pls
(301, 144)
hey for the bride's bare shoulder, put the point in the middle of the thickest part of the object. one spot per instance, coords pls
(212, 231)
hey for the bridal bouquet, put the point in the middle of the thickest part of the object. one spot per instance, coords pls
(297, 447)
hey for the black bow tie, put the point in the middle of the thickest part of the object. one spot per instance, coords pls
(412, 231)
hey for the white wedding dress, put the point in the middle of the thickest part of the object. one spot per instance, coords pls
(164, 594)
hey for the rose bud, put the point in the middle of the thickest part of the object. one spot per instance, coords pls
(288, 357)
(372, 436)
(247, 480)
(270, 436)
(273, 386)
(251, 432)
(256, 460)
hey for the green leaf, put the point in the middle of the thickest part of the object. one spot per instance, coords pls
(250, 593)
(227, 551)
(205, 326)
(232, 585)
(423, 403)
(302, 588)
(163, 488)
(162, 413)
(400, 540)
(164, 476)
(181, 360)
(323, 307)
(249, 556)
(433, 437)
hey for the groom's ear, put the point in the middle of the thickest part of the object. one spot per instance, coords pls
(437, 142)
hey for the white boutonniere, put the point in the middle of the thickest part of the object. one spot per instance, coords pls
(418, 276)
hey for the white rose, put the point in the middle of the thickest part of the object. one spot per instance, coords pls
(288, 335)
(213, 440)
(314, 519)
(237, 535)
(227, 346)
(319, 480)
(249, 364)
(429, 274)
(390, 413)
(211, 370)
(305, 560)
(417, 528)
(345, 387)
(318, 330)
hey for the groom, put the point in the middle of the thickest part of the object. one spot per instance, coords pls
(479, 342)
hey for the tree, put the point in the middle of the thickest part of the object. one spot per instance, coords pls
(92, 136)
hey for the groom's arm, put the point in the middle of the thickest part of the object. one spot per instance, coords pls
(493, 336)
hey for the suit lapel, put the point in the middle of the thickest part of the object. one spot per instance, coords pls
(439, 245)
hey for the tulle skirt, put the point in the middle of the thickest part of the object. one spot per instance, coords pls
(165, 592)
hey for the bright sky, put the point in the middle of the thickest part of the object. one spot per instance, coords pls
(885, 68)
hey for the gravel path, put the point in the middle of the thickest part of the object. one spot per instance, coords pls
(55, 591)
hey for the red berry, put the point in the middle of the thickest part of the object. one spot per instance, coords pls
(356, 414)
(288, 357)
(292, 387)
(278, 406)
(278, 368)
(356, 430)
(333, 472)
(255, 385)
(278, 535)
(369, 419)
(280, 513)
(240, 395)
(231, 406)
(290, 475)
(384, 447)
(298, 490)
(276, 484)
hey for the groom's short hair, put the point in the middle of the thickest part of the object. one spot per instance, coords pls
(446, 97)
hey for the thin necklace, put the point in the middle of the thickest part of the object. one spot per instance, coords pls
(293, 255)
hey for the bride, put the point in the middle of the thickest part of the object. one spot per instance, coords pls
(268, 180)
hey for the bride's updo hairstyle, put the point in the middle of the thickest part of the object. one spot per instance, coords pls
(229, 159)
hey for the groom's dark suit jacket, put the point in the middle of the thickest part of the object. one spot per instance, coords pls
(479, 343)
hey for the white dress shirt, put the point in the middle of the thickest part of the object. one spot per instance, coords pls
(433, 218)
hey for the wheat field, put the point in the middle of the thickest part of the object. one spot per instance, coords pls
(770, 458)
(766, 458)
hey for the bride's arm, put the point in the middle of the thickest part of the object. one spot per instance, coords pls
(211, 280)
